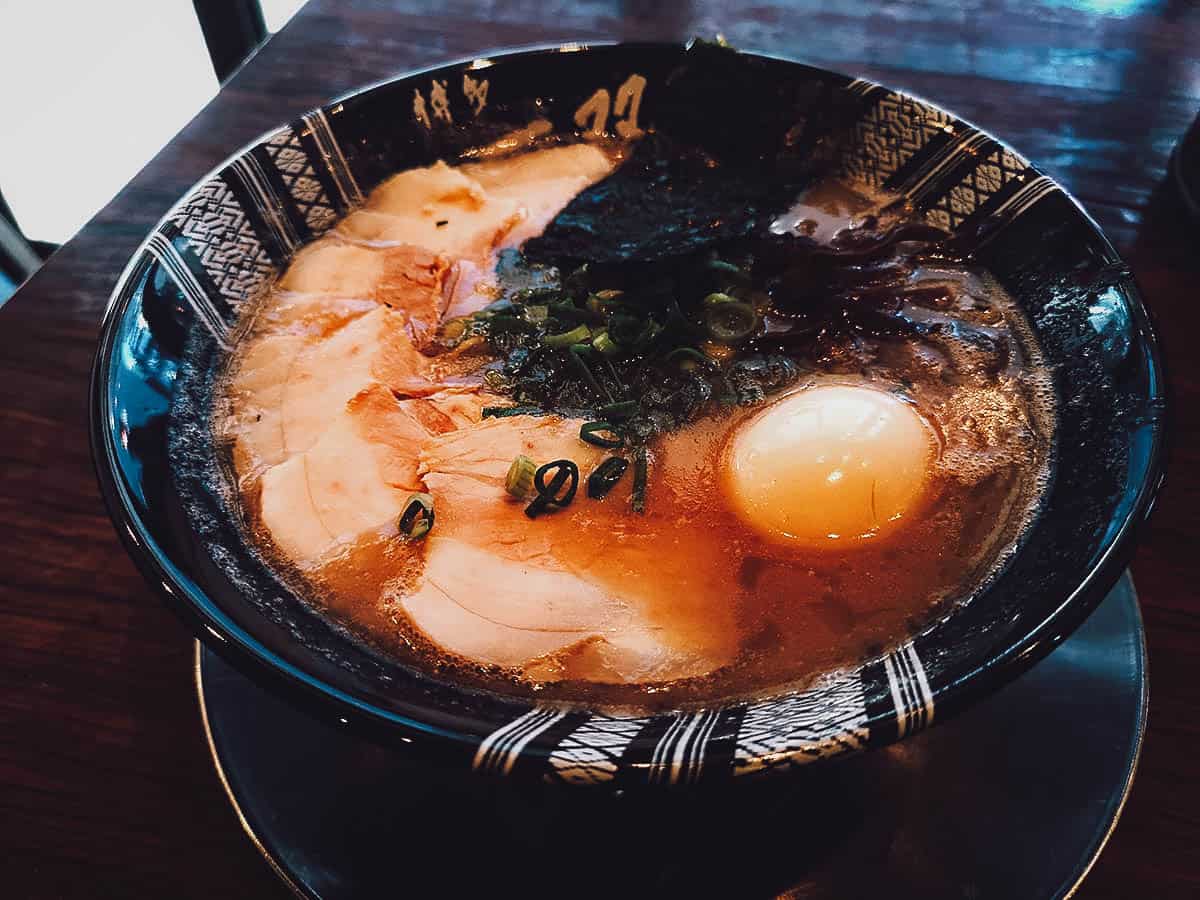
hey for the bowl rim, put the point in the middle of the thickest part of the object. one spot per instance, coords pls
(239, 646)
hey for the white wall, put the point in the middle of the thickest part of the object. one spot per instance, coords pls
(90, 90)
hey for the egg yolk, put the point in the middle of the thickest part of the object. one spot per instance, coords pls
(831, 464)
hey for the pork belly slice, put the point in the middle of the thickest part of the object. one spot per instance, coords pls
(551, 597)
(356, 478)
(438, 208)
(407, 278)
(547, 622)
(541, 182)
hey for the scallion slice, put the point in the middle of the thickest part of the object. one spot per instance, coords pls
(687, 358)
(618, 411)
(641, 471)
(503, 412)
(577, 335)
(727, 271)
(417, 519)
(717, 298)
(537, 314)
(594, 433)
(604, 344)
(559, 492)
(729, 321)
(606, 476)
(519, 480)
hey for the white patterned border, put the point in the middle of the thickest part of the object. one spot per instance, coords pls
(889, 134)
(993, 173)
(300, 178)
(317, 124)
(826, 720)
(1026, 197)
(942, 163)
(679, 756)
(219, 232)
(502, 748)
(591, 754)
(256, 185)
(166, 255)
(910, 690)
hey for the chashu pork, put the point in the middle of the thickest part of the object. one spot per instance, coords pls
(357, 476)
(438, 208)
(583, 593)
(540, 183)
(289, 387)
(343, 417)
(405, 277)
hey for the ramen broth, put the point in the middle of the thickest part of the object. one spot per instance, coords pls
(689, 601)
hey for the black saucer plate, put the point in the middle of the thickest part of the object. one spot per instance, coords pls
(1014, 798)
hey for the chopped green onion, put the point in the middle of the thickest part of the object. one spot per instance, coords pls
(617, 411)
(544, 294)
(576, 335)
(604, 301)
(454, 330)
(593, 433)
(577, 353)
(503, 412)
(417, 518)
(606, 476)
(559, 466)
(641, 467)
(727, 270)
(624, 329)
(519, 480)
(687, 358)
(502, 323)
(730, 321)
(566, 475)
(568, 312)
(536, 315)
(604, 344)
(631, 333)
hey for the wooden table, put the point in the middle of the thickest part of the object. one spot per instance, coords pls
(106, 788)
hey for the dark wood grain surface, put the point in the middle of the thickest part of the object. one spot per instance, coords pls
(106, 788)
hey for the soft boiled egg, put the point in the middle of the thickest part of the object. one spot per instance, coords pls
(828, 465)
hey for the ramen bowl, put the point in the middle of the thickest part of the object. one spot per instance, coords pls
(175, 310)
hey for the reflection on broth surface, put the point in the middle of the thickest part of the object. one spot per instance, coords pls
(828, 427)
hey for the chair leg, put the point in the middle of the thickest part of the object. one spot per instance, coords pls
(18, 258)
(232, 30)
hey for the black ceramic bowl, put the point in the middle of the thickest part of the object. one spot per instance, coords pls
(169, 318)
